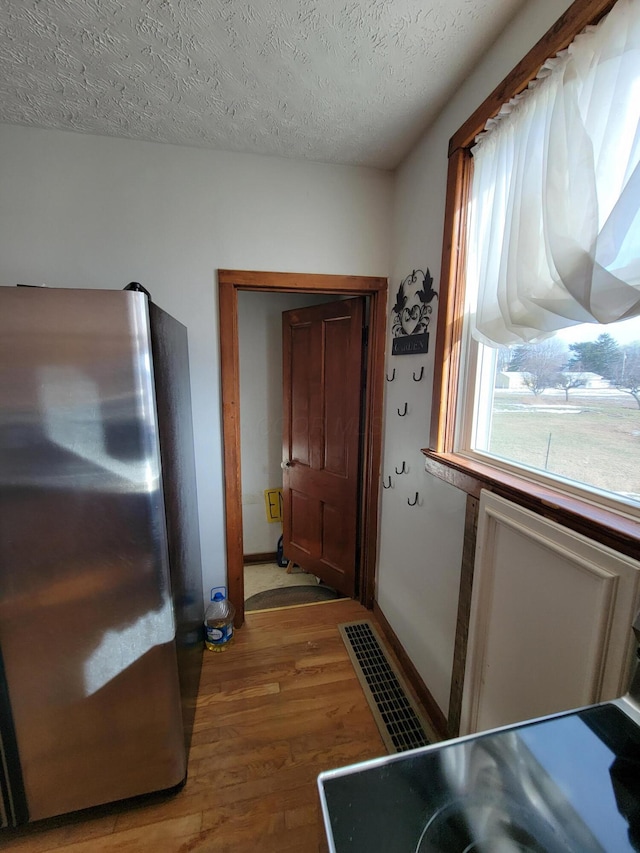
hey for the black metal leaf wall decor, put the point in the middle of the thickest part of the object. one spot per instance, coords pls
(412, 314)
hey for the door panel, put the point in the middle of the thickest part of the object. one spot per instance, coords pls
(336, 403)
(303, 522)
(322, 353)
(300, 397)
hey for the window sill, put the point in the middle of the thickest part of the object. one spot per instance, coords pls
(610, 528)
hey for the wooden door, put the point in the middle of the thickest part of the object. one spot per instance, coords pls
(322, 375)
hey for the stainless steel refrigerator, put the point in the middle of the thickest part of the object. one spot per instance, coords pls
(101, 602)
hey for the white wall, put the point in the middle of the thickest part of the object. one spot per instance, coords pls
(421, 547)
(85, 211)
(260, 351)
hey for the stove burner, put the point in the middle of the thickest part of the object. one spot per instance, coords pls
(487, 824)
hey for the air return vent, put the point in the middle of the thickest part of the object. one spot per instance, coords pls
(395, 712)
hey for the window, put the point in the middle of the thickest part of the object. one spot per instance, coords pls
(545, 236)
(567, 408)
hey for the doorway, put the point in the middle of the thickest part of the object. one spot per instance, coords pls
(230, 282)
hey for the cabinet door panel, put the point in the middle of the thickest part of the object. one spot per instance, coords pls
(551, 616)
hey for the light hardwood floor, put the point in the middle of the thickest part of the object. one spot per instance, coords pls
(276, 708)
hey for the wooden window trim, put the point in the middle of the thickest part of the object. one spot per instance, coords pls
(622, 533)
(618, 531)
(579, 15)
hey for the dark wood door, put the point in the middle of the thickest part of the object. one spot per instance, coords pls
(322, 370)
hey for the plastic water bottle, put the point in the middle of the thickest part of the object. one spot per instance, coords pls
(218, 623)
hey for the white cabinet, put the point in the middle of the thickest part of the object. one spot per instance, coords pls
(551, 615)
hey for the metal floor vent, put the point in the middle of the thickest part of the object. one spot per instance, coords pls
(395, 712)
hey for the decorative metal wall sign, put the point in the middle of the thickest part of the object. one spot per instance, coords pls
(412, 314)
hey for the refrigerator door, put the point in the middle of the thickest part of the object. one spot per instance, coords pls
(87, 628)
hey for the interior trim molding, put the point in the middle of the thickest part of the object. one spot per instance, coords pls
(263, 557)
(614, 529)
(464, 615)
(229, 283)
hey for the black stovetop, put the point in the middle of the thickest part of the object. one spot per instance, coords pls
(567, 783)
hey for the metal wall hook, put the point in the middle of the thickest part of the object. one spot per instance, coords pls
(393, 375)
(384, 485)
(414, 502)
(418, 378)
(403, 470)
(402, 414)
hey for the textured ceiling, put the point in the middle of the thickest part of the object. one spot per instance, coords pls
(342, 81)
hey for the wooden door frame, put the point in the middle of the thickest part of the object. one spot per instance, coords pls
(229, 283)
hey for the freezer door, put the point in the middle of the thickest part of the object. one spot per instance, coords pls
(86, 623)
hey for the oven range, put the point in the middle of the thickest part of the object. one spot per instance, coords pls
(568, 782)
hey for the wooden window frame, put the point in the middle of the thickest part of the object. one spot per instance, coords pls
(470, 475)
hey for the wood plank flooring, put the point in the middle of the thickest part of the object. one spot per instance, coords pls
(280, 705)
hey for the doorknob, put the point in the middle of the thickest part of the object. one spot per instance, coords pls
(286, 464)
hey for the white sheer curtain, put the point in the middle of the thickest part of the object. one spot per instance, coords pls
(554, 234)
